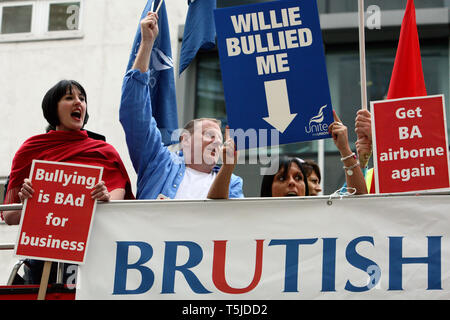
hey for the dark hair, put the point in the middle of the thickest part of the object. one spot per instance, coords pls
(54, 95)
(283, 163)
(311, 166)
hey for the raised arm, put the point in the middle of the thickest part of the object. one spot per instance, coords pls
(143, 137)
(149, 32)
(353, 173)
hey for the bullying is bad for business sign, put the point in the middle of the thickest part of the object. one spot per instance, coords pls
(270, 249)
(56, 222)
(273, 71)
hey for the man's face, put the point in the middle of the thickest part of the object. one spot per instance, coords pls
(204, 143)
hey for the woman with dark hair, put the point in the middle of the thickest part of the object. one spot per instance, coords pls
(288, 181)
(291, 177)
(313, 176)
(65, 108)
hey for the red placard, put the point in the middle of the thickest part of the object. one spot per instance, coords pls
(410, 144)
(56, 221)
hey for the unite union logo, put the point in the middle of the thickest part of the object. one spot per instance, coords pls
(315, 126)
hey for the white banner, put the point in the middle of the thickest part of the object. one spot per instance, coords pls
(379, 247)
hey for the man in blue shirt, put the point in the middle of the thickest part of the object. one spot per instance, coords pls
(192, 174)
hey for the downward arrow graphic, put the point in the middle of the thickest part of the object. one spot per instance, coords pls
(280, 116)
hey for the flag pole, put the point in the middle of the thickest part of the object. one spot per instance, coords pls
(362, 55)
(159, 6)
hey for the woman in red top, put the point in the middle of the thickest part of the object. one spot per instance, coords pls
(65, 108)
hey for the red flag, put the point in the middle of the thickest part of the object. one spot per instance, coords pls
(407, 76)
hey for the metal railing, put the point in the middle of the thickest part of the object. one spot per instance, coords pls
(11, 246)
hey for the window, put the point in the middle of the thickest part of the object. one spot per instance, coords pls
(329, 6)
(39, 20)
(16, 19)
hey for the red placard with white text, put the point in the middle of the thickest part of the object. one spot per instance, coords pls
(410, 144)
(56, 221)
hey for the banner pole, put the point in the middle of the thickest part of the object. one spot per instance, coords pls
(44, 280)
(362, 55)
(159, 6)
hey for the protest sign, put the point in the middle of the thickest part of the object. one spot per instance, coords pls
(362, 247)
(274, 74)
(56, 221)
(410, 144)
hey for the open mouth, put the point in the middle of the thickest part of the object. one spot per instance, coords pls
(212, 151)
(76, 115)
(291, 194)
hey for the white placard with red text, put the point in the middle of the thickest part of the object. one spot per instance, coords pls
(410, 144)
(56, 222)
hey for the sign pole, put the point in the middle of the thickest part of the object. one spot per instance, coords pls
(362, 55)
(159, 6)
(44, 280)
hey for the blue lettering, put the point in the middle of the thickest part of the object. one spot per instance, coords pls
(122, 266)
(329, 265)
(170, 257)
(292, 263)
(396, 261)
(360, 262)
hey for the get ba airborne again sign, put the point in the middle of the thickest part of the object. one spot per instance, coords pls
(410, 144)
(56, 221)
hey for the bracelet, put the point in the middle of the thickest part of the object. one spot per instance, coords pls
(350, 169)
(353, 155)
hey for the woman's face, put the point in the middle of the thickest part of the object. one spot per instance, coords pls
(291, 185)
(71, 110)
(314, 184)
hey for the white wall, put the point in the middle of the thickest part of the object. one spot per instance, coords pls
(98, 61)
(8, 235)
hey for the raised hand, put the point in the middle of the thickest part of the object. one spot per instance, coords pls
(229, 153)
(149, 27)
(363, 129)
(339, 134)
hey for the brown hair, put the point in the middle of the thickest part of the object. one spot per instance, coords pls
(190, 125)
(311, 166)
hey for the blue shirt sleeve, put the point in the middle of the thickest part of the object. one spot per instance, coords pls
(236, 184)
(142, 135)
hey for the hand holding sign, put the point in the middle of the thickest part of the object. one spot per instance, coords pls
(100, 191)
(363, 129)
(149, 27)
(26, 191)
